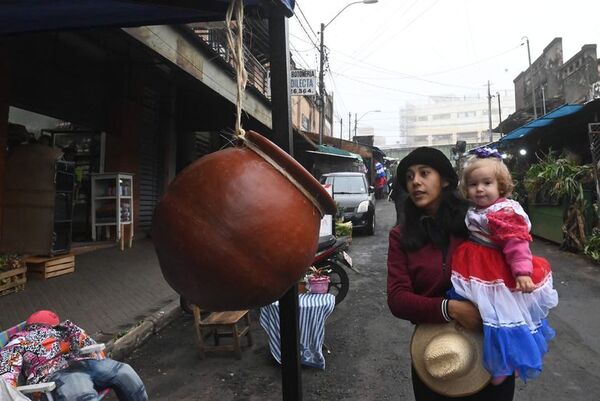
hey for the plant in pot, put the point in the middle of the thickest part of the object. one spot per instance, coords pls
(318, 280)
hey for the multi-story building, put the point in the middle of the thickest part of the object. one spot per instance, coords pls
(447, 119)
(554, 83)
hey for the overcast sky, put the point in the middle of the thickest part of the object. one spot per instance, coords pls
(396, 51)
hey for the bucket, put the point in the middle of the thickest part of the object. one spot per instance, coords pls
(238, 227)
(319, 285)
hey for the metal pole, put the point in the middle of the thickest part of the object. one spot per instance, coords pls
(321, 87)
(499, 108)
(349, 126)
(531, 79)
(543, 100)
(499, 111)
(355, 124)
(341, 129)
(490, 113)
(291, 375)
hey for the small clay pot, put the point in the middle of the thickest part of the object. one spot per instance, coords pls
(232, 232)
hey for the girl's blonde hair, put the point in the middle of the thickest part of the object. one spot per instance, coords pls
(505, 182)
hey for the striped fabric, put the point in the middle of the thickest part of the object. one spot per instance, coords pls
(8, 333)
(313, 311)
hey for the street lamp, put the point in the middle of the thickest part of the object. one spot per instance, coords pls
(356, 120)
(531, 77)
(322, 63)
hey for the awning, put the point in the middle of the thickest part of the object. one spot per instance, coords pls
(333, 151)
(544, 121)
(21, 16)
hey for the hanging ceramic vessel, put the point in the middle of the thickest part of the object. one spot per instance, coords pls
(240, 226)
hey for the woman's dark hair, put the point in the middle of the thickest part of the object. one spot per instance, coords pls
(450, 220)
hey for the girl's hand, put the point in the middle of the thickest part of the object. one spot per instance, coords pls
(466, 314)
(525, 284)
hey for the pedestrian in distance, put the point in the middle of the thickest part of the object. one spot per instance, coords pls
(496, 271)
(47, 351)
(420, 254)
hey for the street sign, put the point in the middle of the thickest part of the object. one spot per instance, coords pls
(303, 83)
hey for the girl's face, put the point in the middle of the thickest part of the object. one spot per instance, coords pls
(482, 186)
(424, 185)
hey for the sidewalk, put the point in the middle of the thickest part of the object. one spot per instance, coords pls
(110, 293)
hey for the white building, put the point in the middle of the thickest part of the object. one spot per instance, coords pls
(447, 119)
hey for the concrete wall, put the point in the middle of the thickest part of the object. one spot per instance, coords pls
(578, 73)
(545, 71)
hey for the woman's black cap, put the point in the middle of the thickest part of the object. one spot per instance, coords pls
(430, 157)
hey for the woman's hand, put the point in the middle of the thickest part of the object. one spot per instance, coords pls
(466, 314)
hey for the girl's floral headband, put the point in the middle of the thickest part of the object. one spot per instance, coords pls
(485, 152)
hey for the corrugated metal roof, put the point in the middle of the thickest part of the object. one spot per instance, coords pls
(544, 121)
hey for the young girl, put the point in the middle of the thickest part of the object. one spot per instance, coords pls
(497, 272)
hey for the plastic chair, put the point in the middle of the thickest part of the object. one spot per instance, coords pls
(48, 387)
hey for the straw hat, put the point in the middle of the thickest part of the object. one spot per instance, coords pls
(448, 359)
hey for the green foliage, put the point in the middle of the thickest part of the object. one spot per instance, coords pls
(343, 229)
(592, 246)
(556, 178)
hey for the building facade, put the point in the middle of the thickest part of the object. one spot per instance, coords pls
(555, 82)
(447, 119)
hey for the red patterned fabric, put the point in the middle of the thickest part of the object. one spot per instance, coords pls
(474, 261)
(505, 224)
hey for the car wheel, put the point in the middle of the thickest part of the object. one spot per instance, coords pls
(371, 227)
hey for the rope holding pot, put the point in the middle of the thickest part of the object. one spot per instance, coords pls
(236, 47)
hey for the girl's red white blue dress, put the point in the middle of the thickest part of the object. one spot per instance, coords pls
(516, 331)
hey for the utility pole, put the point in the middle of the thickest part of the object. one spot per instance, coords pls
(490, 113)
(355, 124)
(531, 78)
(321, 88)
(349, 126)
(499, 108)
(341, 129)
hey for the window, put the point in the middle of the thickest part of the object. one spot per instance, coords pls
(423, 118)
(347, 185)
(444, 116)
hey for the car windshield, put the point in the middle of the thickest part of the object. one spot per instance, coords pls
(347, 185)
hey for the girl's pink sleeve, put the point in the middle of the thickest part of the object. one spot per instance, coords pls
(511, 232)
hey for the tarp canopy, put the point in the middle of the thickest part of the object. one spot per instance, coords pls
(333, 151)
(544, 121)
(22, 16)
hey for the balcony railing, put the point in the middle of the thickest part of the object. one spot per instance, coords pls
(216, 39)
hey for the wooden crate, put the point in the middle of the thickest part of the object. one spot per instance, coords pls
(12, 280)
(39, 267)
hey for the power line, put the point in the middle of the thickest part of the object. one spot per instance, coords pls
(338, 93)
(384, 26)
(401, 91)
(375, 48)
(406, 76)
(305, 19)
(300, 56)
(306, 32)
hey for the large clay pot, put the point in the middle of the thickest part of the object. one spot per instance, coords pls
(233, 232)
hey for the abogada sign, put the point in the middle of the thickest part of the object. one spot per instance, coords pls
(303, 83)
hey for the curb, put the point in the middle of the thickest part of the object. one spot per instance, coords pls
(134, 338)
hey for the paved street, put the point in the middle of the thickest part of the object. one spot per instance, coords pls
(369, 347)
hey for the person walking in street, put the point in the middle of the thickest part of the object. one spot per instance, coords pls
(47, 350)
(497, 272)
(420, 255)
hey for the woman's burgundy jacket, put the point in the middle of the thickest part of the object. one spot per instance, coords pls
(418, 280)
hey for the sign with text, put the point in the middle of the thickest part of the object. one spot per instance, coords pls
(303, 82)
